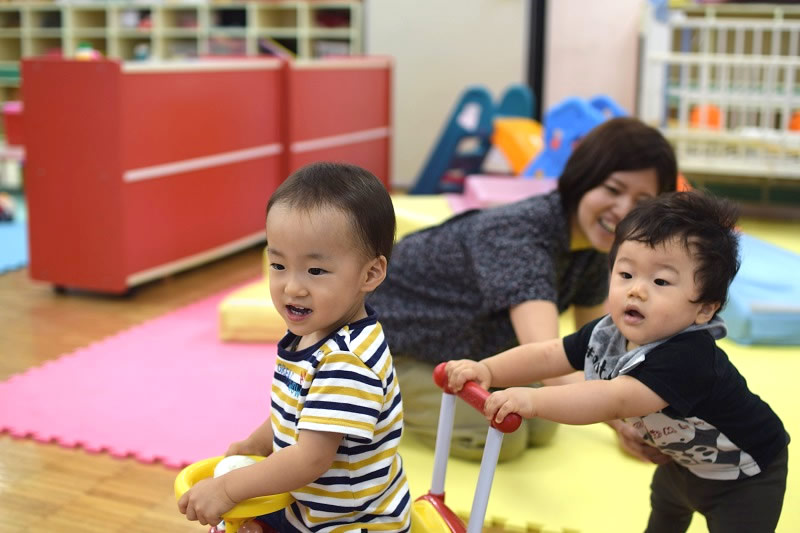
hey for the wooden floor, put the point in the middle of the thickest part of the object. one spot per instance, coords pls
(47, 488)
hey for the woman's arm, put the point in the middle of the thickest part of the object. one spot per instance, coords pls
(583, 315)
(534, 321)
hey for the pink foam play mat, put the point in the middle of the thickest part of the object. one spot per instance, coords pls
(152, 392)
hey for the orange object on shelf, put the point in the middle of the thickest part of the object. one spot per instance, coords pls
(794, 122)
(706, 116)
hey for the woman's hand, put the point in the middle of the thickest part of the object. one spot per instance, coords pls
(633, 444)
(206, 502)
(463, 370)
(513, 400)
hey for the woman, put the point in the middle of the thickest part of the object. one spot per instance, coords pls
(486, 280)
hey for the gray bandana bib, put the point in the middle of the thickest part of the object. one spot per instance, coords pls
(607, 356)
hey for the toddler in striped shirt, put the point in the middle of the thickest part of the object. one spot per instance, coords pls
(336, 414)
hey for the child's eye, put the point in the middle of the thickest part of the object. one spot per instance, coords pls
(276, 266)
(661, 282)
(625, 275)
(316, 271)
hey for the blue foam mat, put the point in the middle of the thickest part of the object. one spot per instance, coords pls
(764, 298)
(14, 241)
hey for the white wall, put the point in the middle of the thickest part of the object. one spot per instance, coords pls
(440, 47)
(592, 48)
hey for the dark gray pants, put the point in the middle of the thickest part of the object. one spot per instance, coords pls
(751, 505)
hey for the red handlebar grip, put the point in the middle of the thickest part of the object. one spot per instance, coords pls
(476, 396)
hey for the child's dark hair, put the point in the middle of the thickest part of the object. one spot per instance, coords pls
(618, 144)
(705, 227)
(349, 188)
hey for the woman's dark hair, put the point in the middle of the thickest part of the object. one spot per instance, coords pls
(703, 224)
(349, 188)
(619, 144)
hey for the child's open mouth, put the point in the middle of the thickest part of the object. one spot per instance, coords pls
(633, 316)
(295, 312)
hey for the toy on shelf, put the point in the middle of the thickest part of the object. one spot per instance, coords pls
(429, 513)
(86, 52)
(565, 125)
(706, 116)
(466, 138)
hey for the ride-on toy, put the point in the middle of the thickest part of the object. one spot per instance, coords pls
(429, 514)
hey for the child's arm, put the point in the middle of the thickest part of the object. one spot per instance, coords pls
(520, 365)
(288, 469)
(580, 403)
(258, 443)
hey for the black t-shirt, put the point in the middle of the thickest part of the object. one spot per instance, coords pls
(704, 390)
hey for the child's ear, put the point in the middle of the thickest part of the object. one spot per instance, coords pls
(706, 312)
(375, 273)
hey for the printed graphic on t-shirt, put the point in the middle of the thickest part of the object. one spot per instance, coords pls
(696, 445)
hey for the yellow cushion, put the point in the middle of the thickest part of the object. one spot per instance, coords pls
(247, 314)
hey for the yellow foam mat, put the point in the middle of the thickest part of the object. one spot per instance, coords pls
(582, 481)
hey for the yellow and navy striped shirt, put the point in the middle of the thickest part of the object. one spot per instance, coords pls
(345, 384)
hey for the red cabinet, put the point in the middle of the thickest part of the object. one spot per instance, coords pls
(134, 171)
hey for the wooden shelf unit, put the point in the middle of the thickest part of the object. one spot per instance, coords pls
(165, 30)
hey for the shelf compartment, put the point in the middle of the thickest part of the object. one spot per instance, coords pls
(89, 18)
(183, 18)
(331, 16)
(46, 19)
(276, 17)
(51, 47)
(10, 48)
(135, 48)
(134, 19)
(228, 17)
(10, 18)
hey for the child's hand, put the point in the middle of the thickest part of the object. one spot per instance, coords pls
(249, 447)
(206, 501)
(514, 400)
(463, 370)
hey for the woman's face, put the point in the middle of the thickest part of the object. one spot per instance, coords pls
(601, 208)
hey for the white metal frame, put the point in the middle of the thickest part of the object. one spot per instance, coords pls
(745, 63)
